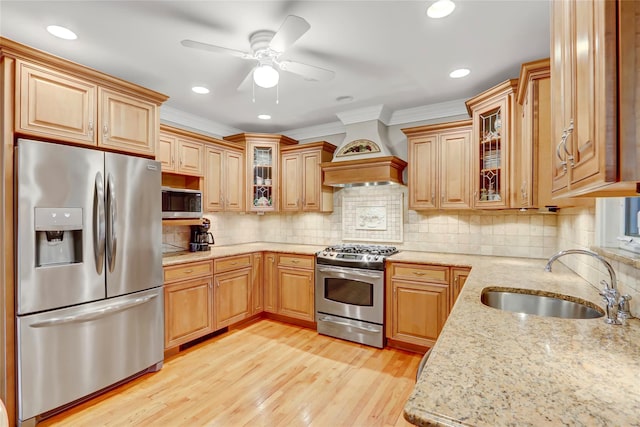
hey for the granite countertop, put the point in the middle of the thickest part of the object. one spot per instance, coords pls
(230, 250)
(496, 368)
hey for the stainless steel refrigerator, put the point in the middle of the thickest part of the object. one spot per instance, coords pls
(89, 272)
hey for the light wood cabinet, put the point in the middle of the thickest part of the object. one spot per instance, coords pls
(595, 97)
(224, 179)
(233, 286)
(262, 169)
(493, 114)
(301, 177)
(270, 278)
(289, 285)
(459, 277)
(439, 164)
(188, 302)
(180, 152)
(71, 107)
(257, 293)
(418, 302)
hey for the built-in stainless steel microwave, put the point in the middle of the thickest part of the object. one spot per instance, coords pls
(181, 203)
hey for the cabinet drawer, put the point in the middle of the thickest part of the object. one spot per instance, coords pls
(298, 261)
(175, 273)
(231, 263)
(421, 273)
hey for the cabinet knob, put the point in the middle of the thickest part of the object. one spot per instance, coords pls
(418, 273)
(188, 271)
(105, 130)
(90, 128)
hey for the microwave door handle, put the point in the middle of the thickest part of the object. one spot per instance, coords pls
(112, 216)
(99, 223)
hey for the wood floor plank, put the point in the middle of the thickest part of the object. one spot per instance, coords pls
(264, 374)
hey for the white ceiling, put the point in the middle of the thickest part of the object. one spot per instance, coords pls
(382, 52)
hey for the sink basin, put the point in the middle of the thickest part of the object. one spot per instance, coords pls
(539, 303)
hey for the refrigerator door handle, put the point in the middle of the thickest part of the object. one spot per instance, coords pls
(93, 315)
(112, 240)
(99, 223)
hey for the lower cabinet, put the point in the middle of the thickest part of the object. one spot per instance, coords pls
(289, 285)
(233, 285)
(188, 302)
(419, 299)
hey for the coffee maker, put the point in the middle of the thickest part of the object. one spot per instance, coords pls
(201, 238)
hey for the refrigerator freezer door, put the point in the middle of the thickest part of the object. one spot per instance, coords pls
(58, 223)
(134, 224)
(69, 353)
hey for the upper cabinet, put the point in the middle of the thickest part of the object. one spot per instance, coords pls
(224, 179)
(62, 101)
(439, 160)
(180, 151)
(263, 169)
(493, 114)
(594, 57)
(301, 178)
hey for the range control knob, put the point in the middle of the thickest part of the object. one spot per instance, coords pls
(324, 253)
(376, 257)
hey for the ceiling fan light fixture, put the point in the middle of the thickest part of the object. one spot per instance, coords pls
(440, 9)
(266, 76)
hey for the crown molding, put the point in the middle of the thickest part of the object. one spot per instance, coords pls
(375, 112)
(429, 112)
(333, 128)
(172, 116)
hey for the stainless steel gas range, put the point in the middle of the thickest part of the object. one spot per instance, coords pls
(350, 292)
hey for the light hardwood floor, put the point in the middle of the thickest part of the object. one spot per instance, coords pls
(265, 374)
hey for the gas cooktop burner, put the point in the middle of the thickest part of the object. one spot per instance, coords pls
(369, 257)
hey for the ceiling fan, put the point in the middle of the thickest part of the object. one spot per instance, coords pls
(266, 48)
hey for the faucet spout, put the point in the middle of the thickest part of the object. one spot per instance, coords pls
(612, 274)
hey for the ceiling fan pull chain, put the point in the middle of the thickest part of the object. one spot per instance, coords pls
(253, 86)
(277, 93)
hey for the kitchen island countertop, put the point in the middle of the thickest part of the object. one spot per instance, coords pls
(496, 368)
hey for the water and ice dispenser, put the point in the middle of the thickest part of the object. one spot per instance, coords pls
(58, 236)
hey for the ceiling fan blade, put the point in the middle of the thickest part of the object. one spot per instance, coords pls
(291, 30)
(216, 49)
(309, 72)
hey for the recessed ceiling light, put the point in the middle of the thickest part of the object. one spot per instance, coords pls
(62, 32)
(460, 72)
(440, 9)
(345, 98)
(264, 117)
(200, 89)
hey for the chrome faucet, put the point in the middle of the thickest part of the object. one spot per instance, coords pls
(617, 306)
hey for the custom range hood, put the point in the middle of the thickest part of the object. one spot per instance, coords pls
(365, 157)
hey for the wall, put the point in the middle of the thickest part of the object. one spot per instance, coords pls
(576, 230)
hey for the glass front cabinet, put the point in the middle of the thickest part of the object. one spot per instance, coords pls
(263, 153)
(493, 113)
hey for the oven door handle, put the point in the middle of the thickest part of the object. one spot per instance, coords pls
(349, 271)
(350, 325)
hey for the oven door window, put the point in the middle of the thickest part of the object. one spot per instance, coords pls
(347, 291)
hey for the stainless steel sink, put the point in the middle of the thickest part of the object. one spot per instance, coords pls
(546, 304)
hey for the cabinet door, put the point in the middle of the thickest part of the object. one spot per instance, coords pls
(187, 311)
(190, 158)
(234, 181)
(525, 151)
(311, 182)
(418, 312)
(127, 123)
(423, 172)
(263, 176)
(295, 293)
(455, 186)
(167, 153)
(213, 179)
(55, 105)
(459, 278)
(270, 278)
(290, 182)
(492, 136)
(562, 69)
(232, 296)
(257, 293)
